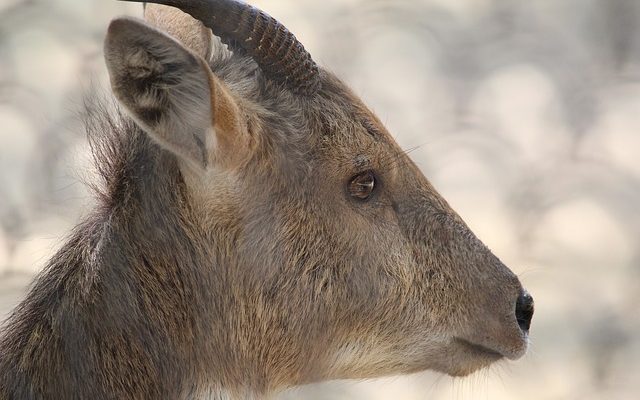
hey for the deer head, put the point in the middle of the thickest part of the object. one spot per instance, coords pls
(337, 257)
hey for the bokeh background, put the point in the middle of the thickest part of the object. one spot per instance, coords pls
(524, 114)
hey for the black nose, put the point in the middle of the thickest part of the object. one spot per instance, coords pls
(524, 310)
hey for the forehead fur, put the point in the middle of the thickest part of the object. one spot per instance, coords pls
(327, 112)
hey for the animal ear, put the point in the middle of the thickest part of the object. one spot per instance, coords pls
(182, 26)
(173, 95)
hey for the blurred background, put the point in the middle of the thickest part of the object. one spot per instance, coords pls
(524, 114)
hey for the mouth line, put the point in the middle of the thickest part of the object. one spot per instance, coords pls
(478, 348)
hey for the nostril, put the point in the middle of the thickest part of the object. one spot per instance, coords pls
(524, 310)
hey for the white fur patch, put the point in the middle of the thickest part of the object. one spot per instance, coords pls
(214, 394)
(354, 356)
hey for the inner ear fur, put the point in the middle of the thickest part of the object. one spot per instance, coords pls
(172, 94)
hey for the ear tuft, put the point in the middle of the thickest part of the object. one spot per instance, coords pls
(141, 48)
(138, 53)
(163, 85)
(173, 95)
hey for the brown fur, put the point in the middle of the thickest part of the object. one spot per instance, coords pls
(240, 278)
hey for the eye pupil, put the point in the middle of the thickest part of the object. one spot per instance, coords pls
(363, 185)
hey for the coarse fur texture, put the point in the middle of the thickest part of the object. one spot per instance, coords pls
(227, 257)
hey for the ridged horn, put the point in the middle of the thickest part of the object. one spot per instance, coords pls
(280, 56)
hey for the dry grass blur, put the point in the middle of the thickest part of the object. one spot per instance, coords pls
(524, 114)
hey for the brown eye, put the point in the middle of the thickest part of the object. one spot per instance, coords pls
(362, 185)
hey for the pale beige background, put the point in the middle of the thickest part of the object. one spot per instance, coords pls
(524, 114)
